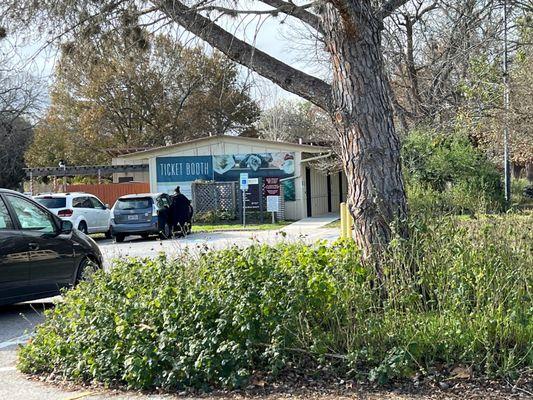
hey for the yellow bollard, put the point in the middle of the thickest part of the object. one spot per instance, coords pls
(351, 222)
(346, 222)
(343, 220)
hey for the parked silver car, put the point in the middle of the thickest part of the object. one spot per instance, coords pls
(141, 214)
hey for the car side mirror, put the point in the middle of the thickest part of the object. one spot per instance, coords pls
(66, 227)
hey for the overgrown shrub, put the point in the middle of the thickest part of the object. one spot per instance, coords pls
(446, 174)
(454, 294)
(521, 194)
(214, 216)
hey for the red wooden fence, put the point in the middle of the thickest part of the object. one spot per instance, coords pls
(110, 192)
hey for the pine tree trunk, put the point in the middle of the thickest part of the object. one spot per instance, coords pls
(362, 114)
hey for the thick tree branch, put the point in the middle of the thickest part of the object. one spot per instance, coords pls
(299, 12)
(389, 7)
(234, 11)
(293, 80)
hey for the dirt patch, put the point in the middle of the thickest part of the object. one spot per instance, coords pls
(317, 389)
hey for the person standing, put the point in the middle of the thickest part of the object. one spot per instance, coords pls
(180, 211)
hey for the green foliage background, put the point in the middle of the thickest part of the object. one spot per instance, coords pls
(446, 174)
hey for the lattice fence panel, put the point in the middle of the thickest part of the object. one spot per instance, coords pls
(214, 196)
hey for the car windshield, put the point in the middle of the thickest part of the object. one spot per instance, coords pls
(134, 204)
(52, 202)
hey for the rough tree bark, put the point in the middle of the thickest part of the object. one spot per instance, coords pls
(362, 114)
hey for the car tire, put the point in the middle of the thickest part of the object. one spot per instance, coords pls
(145, 235)
(119, 237)
(108, 234)
(166, 232)
(82, 227)
(86, 268)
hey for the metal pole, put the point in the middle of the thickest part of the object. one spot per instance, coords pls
(243, 208)
(64, 178)
(31, 182)
(506, 166)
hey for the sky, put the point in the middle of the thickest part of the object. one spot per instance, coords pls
(281, 37)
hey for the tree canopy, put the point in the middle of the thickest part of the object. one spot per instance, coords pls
(20, 100)
(127, 91)
(15, 136)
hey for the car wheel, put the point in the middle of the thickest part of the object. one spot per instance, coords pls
(166, 232)
(86, 269)
(145, 235)
(119, 237)
(82, 227)
(108, 234)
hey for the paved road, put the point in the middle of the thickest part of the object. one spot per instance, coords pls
(17, 322)
(195, 242)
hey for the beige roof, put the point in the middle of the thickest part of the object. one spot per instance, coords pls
(232, 139)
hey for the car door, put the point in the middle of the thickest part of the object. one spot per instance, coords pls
(102, 214)
(14, 259)
(84, 207)
(51, 254)
(163, 207)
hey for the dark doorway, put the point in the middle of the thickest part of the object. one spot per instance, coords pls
(341, 197)
(329, 192)
(308, 191)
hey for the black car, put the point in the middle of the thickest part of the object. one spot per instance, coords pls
(39, 253)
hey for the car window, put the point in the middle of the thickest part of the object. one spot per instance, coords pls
(5, 220)
(96, 203)
(87, 203)
(77, 202)
(134, 204)
(82, 202)
(52, 202)
(30, 216)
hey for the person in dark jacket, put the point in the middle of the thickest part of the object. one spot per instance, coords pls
(180, 211)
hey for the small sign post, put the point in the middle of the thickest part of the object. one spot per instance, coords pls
(244, 187)
(273, 206)
(272, 192)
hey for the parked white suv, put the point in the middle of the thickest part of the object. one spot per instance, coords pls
(86, 212)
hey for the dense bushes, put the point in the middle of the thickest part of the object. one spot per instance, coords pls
(217, 319)
(447, 174)
(522, 194)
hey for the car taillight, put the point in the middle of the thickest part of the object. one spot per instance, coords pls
(65, 213)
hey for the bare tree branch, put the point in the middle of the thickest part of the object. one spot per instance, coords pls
(299, 12)
(309, 87)
(389, 7)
